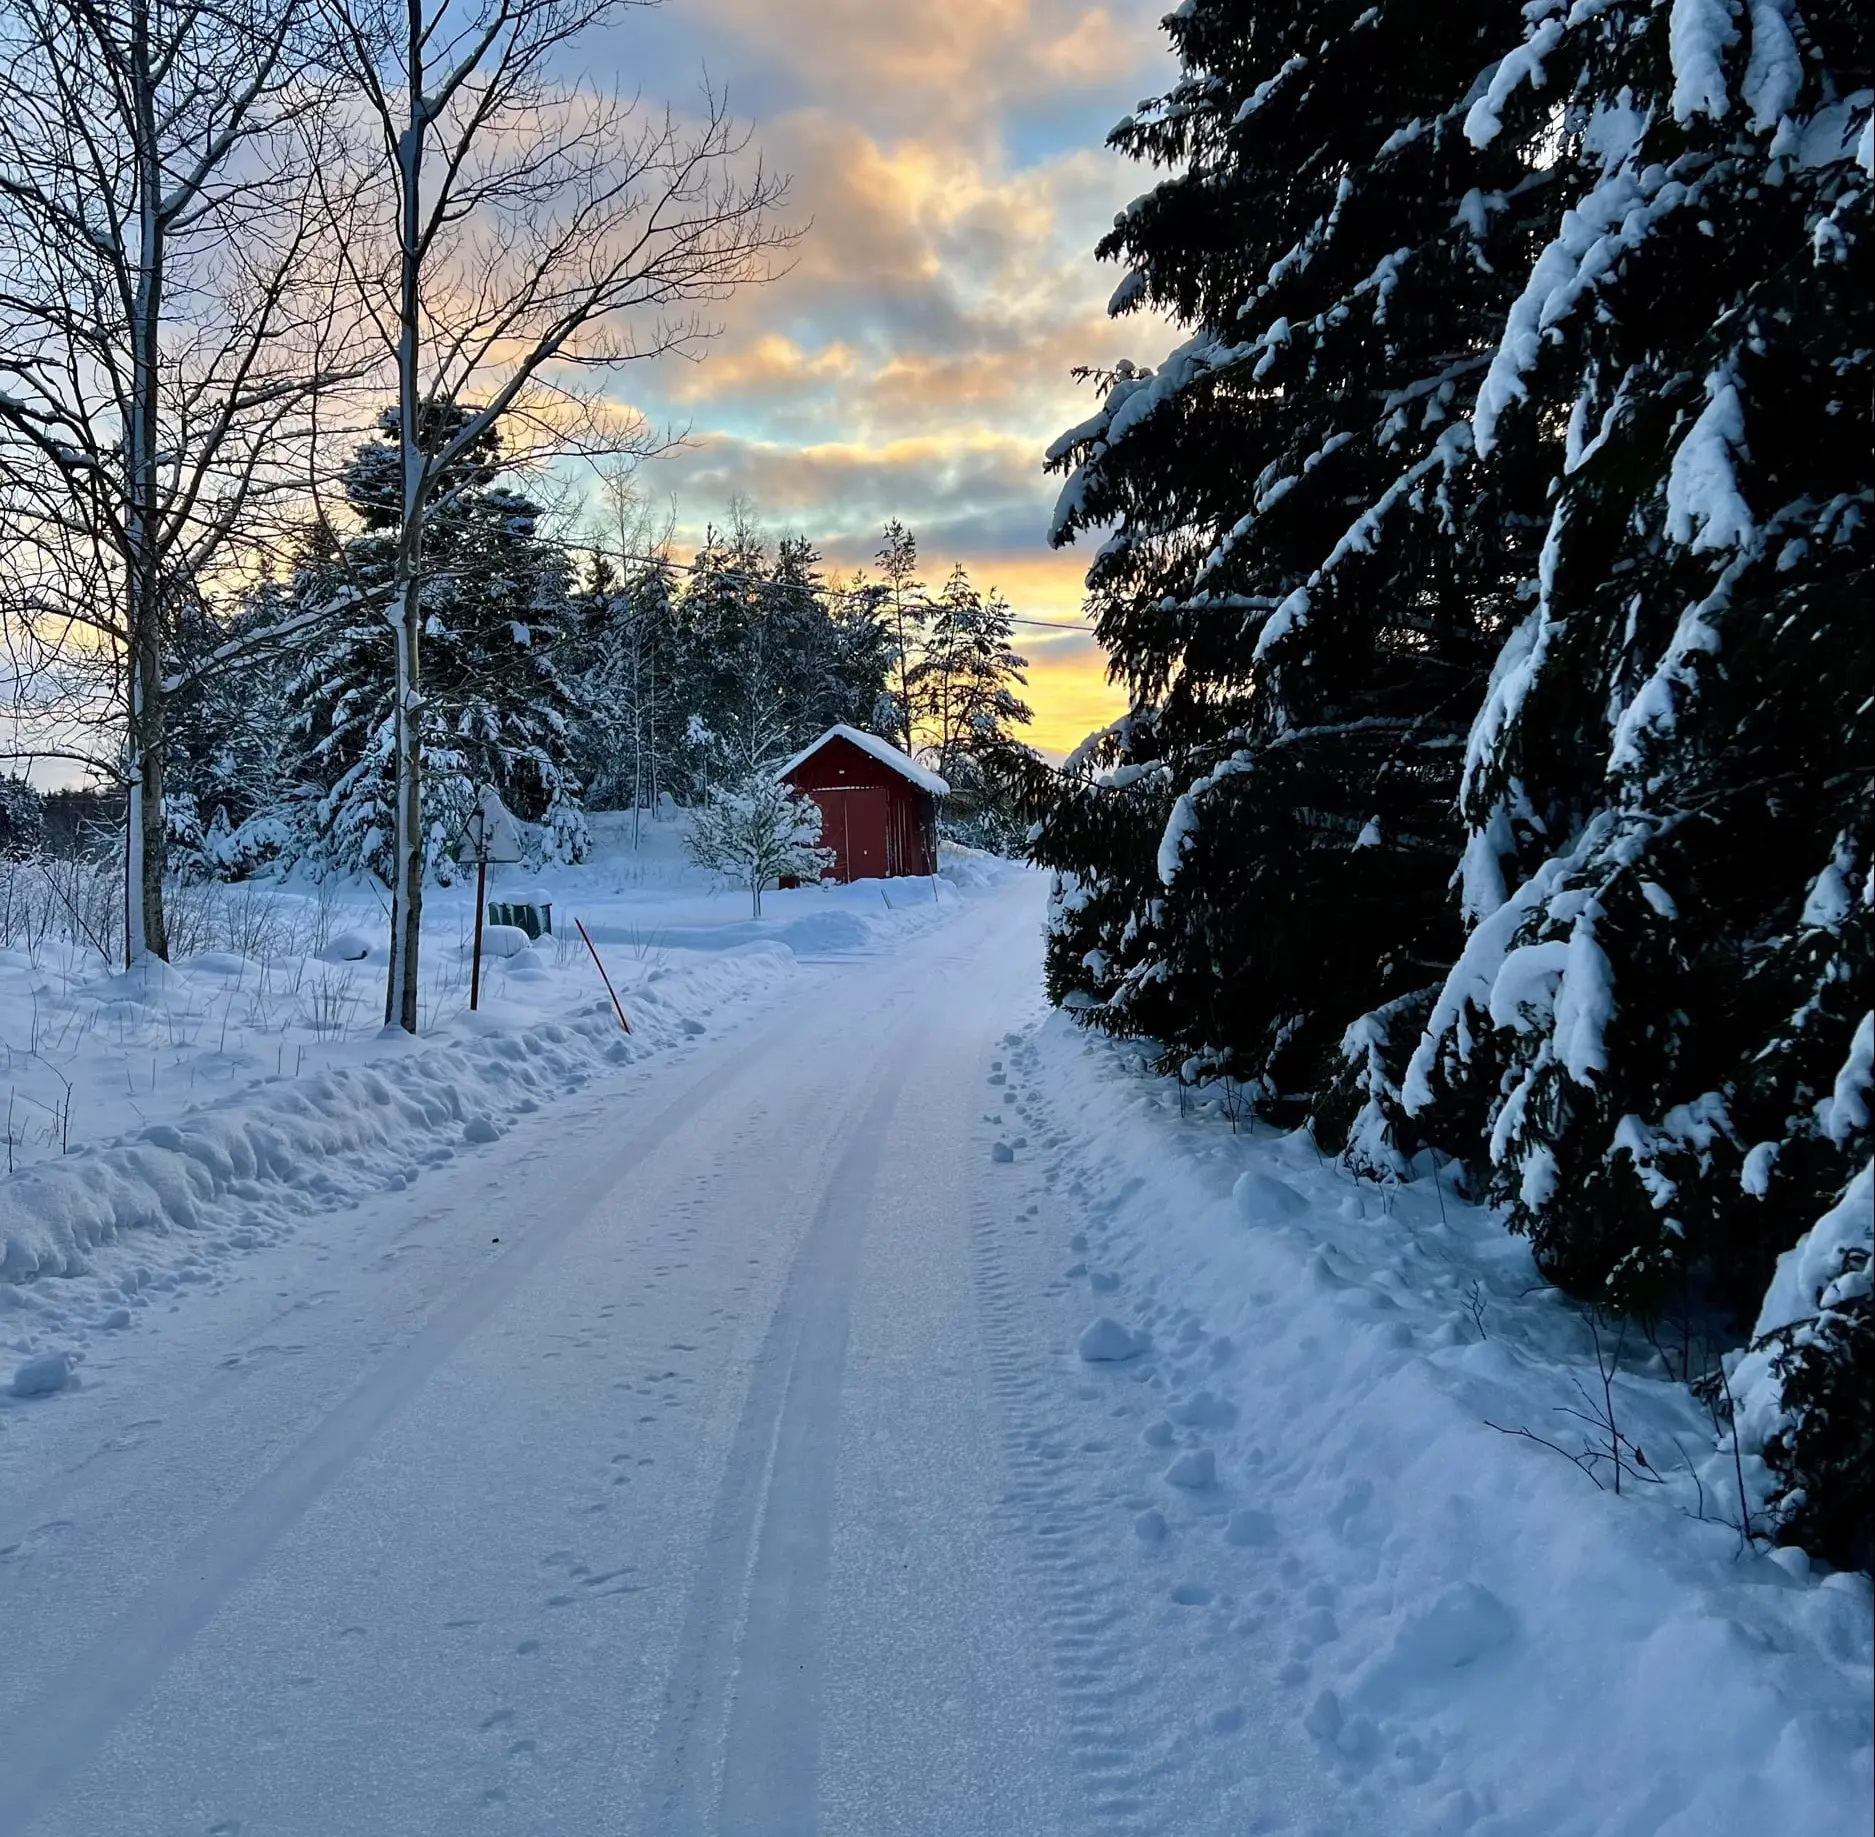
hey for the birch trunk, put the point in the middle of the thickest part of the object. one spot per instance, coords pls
(149, 827)
(638, 726)
(554, 231)
(146, 828)
(400, 995)
(169, 312)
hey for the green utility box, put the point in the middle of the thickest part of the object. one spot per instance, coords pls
(535, 917)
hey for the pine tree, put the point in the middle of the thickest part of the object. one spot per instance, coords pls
(624, 660)
(1670, 790)
(764, 658)
(961, 684)
(730, 690)
(839, 653)
(902, 610)
(1307, 575)
(498, 709)
(966, 710)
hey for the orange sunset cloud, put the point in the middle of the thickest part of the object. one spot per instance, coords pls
(914, 360)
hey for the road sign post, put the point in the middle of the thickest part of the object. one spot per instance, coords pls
(490, 834)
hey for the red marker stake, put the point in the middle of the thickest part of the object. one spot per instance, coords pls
(603, 977)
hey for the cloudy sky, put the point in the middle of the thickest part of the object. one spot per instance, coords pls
(947, 158)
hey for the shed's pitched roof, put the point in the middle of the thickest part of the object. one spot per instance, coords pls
(882, 750)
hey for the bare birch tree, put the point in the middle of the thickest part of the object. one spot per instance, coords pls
(539, 231)
(633, 675)
(164, 336)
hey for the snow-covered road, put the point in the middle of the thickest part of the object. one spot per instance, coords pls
(726, 1450)
(651, 1470)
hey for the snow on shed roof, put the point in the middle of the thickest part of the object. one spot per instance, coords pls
(882, 750)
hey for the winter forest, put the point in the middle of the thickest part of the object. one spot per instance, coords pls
(218, 270)
(1133, 1307)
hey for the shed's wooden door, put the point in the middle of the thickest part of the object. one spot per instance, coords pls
(866, 814)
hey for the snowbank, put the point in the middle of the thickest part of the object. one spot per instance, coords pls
(1484, 1637)
(114, 1225)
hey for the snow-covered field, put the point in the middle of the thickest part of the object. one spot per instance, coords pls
(162, 1121)
(857, 1403)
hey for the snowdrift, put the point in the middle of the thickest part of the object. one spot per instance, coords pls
(1479, 1629)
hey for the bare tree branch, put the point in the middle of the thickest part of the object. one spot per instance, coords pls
(532, 233)
(170, 310)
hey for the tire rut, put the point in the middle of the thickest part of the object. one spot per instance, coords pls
(737, 1745)
(1057, 1524)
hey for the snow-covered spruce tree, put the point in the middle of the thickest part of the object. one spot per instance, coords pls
(757, 832)
(229, 747)
(497, 709)
(966, 710)
(729, 707)
(1306, 577)
(623, 658)
(839, 653)
(764, 660)
(22, 819)
(1670, 790)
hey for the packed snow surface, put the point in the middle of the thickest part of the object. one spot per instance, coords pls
(699, 1431)
(1469, 1633)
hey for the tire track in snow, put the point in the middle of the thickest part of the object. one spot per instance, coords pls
(51, 1739)
(737, 1748)
(1083, 1605)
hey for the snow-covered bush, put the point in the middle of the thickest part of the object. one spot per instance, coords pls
(757, 833)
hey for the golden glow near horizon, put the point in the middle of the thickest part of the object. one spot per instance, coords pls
(1068, 686)
(1067, 670)
(914, 362)
(1071, 698)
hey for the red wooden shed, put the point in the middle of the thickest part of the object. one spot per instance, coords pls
(878, 808)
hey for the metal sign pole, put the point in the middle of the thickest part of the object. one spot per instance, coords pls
(481, 891)
(496, 838)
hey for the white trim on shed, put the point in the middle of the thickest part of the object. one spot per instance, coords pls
(882, 750)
